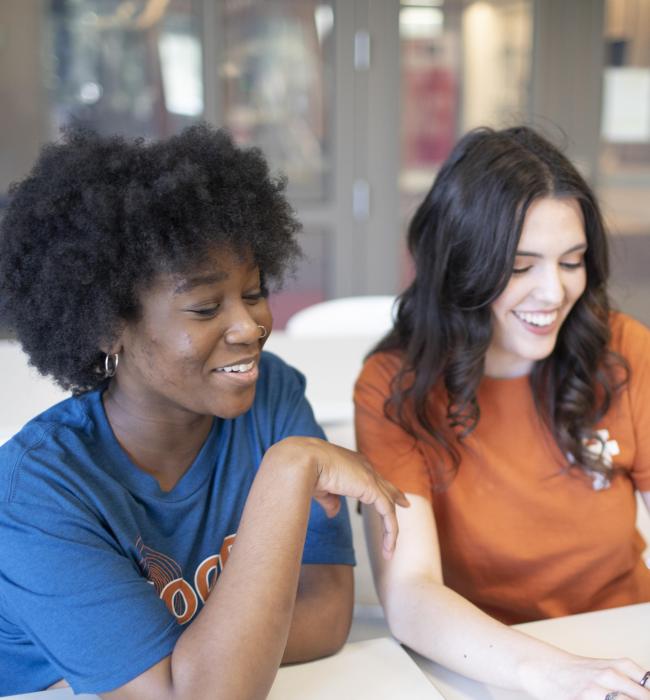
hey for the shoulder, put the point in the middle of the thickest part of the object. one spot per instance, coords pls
(277, 376)
(281, 408)
(379, 370)
(630, 338)
(45, 448)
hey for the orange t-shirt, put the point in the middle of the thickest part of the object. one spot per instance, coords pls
(519, 537)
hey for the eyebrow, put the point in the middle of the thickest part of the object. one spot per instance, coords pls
(575, 249)
(189, 283)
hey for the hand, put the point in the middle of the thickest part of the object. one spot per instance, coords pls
(341, 472)
(580, 678)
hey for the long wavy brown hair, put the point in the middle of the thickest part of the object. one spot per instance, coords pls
(463, 240)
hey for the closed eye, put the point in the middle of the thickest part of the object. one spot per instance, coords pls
(572, 265)
(208, 312)
(520, 270)
(254, 297)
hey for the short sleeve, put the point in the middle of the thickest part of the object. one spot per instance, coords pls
(78, 600)
(329, 540)
(389, 448)
(632, 340)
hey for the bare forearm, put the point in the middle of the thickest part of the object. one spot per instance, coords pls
(322, 614)
(438, 623)
(233, 647)
(245, 622)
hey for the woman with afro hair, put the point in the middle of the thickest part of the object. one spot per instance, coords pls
(136, 275)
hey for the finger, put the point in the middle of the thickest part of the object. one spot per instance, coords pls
(399, 497)
(392, 491)
(330, 502)
(616, 680)
(389, 540)
(631, 676)
(604, 694)
(386, 508)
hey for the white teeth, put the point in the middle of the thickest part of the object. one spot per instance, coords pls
(537, 319)
(237, 368)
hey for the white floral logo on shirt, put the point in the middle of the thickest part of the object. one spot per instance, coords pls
(604, 449)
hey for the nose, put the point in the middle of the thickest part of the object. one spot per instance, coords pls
(550, 287)
(242, 328)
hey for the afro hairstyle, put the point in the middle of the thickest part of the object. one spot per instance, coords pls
(98, 218)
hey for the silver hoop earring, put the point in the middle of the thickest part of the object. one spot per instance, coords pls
(264, 331)
(110, 365)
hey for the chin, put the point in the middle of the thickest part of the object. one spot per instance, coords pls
(233, 409)
(539, 355)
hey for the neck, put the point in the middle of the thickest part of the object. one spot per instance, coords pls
(160, 444)
(499, 365)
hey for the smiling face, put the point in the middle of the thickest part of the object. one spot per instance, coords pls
(547, 279)
(195, 349)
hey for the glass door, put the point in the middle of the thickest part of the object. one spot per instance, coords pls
(314, 84)
(624, 154)
(273, 72)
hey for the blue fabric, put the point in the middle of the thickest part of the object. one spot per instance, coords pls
(92, 552)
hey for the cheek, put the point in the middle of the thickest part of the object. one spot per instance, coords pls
(262, 315)
(578, 285)
(163, 353)
(506, 301)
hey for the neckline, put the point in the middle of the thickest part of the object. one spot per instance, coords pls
(140, 482)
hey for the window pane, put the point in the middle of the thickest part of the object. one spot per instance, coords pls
(624, 163)
(277, 90)
(133, 68)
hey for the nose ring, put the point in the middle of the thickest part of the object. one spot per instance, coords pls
(263, 330)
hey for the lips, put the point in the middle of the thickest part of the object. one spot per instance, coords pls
(243, 373)
(238, 368)
(541, 323)
(539, 319)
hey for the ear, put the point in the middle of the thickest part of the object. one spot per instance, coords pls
(114, 345)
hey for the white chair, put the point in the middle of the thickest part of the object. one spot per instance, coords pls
(25, 392)
(370, 315)
(352, 325)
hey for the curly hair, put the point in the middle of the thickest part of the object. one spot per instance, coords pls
(463, 239)
(98, 218)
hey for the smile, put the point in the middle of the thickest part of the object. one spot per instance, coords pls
(244, 367)
(539, 319)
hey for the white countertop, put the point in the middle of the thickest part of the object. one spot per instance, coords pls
(619, 632)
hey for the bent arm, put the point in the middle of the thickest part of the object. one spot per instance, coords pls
(233, 647)
(322, 614)
(441, 625)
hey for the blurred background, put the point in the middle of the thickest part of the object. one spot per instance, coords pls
(357, 101)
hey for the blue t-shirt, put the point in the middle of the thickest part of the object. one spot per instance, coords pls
(99, 568)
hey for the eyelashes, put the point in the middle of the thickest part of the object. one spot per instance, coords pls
(211, 311)
(564, 265)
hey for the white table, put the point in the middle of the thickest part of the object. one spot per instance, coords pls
(614, 633)
(377, 668)
(608, 633)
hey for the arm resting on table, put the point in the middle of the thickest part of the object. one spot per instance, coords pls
(234, 646)
(322, 614)
(443, 626)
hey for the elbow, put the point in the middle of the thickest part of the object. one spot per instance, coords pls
(338, 636)
(339, 622)
(397, 626)
(401, 613)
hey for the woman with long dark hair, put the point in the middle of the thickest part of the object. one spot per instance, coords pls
(511, 405)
